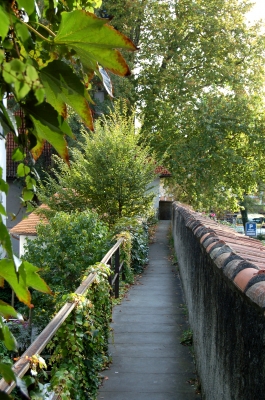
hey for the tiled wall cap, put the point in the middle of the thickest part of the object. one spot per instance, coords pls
(189, 220)
(182, 209)
(257, 293)
(209, 240)
(200, 231)
(214, 245)
(194, 224)
(230, 268)
(214, 252)
(221, 258)
(257, 278)
(244, 265)
(232, 258)
(224, 249)
(244, 277)
(207, 235)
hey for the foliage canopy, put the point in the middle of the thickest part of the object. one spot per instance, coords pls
(109, 172)
(202, 90)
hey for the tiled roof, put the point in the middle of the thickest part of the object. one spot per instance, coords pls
(28, 225)
(241, 258)
(162, 171)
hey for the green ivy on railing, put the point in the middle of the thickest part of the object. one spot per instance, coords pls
(125, 255)
(80, 347)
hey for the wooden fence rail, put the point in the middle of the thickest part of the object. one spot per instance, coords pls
(22, 365)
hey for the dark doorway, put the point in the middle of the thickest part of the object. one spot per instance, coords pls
(165, 210)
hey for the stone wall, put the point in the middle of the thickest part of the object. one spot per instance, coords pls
(224, 286)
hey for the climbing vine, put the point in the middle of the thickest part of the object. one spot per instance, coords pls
(125, 255)
(138, 231)
(80, 347)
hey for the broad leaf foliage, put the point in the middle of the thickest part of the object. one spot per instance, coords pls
(47, 59)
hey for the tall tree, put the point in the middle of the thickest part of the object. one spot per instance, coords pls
(201, 93)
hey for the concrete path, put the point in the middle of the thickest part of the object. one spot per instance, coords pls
(149, 363)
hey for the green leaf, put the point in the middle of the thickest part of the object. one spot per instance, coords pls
(29, 380)
(30, 208)
(4, 396)
(36, 151)
(5, 239)
(2, 56)
(28, 5)
(2, 210)
(8, 272)
(9, 376)
(94, 41)
(16, 65)
(32, 278)
(40, 95)
(21, 89)
(50, 126)
(22, 170)
(4, 26)
(7, 372)
(13, 73)
(18, 155)
(3, 185)
(27, 195)
(7, 311)
(7, 120)
(30, 182)
(22, 32)
(56, 139)
(32, 72)
(6, 336)
(97, 3)
(63, 86)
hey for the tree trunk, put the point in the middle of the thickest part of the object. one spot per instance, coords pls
(244, 214)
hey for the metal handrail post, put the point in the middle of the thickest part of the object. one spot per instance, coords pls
(117, 272)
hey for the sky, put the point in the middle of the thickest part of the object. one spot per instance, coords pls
(258, 10)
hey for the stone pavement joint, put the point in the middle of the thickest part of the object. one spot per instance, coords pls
(148, 361)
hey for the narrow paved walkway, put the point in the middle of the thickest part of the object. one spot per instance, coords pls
(149, 363)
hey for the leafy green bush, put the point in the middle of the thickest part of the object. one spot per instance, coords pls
(109, 172)
(140, 241)
(63, 250)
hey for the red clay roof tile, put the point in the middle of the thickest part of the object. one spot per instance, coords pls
(243, 277)
(162, 171)
(28, 225)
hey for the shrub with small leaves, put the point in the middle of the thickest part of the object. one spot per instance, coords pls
(63, 250)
